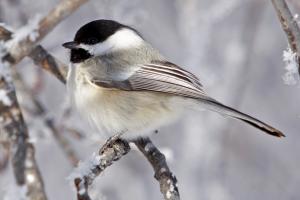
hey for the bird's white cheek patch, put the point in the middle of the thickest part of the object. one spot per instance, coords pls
(122, 39)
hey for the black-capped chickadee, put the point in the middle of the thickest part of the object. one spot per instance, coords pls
(122, 85)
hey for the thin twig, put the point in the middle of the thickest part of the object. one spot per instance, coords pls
(166, 179)
(290, 26)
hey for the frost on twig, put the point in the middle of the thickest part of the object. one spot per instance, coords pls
(291, 29)
(39, 56)
(87, 171)
(291, 76)
(29, 31)
(166, 179)
(39, 29)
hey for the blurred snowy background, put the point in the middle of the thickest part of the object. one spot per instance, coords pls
(235, 47)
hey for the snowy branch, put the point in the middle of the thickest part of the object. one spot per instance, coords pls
(41, 57)
(162, 173)
(290, 27)
(15, 130)
(87, 171)
(21, 46)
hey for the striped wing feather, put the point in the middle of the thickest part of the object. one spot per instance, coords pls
(162, 77)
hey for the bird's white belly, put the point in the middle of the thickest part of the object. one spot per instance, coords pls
(113, 112)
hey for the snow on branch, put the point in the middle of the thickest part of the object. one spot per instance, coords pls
(87, 171)
(290, 27)
(291, 76)
(167, 181)
(24, 42)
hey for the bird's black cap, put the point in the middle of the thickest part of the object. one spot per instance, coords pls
(92, 33)
(97, 31)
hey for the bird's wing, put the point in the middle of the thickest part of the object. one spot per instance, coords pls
(166, 77)
(159, 76)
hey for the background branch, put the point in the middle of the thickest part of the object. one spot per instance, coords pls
(290, 27)
(162, 173)
(41, 112)
(15, 132)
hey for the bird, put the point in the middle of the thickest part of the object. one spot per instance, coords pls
(123, 86)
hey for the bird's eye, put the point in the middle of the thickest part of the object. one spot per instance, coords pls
(92, 41)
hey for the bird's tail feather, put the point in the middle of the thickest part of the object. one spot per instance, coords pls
(214, 105)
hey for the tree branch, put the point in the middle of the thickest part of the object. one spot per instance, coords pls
(162, 173)
(18, 49)
(112, 151)
(15, 131)
(290, 26)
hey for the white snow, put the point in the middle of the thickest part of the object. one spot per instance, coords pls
(84, 167)
(4, 72)
(30, 178)
(169, 154)
(7, 27)
(30, 31)
(4, 98)
(148, 147)
(168, 195)
(291, 76)
(171, 189)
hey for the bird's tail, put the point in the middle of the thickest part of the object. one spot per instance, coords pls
(214, 105)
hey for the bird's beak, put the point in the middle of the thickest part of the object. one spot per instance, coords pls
(71, 45)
